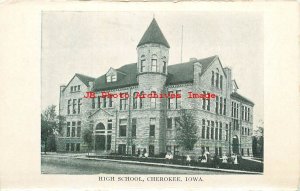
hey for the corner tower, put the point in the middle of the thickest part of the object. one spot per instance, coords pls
(153, 54)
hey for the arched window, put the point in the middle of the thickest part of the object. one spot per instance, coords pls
(143, 63)
(154, 63)
(100, 126)
(164, 59)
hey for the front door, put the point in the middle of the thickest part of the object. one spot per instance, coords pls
(100, 142)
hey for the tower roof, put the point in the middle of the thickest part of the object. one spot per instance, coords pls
(153, 35)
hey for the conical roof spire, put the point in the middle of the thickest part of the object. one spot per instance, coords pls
(154, 35)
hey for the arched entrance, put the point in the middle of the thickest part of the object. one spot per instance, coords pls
(235, 144)
(100, 138)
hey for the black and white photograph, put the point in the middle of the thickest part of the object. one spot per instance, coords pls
(152, 93)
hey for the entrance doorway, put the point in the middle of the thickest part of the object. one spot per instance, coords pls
(235, 144)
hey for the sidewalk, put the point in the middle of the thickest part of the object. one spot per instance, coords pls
(171, 165)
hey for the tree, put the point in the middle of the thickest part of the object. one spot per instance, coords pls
(61, 123)
(48, 127)
(87, 136)
(186, 131)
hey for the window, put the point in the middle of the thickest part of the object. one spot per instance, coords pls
(104, 102)
(75, 88)
(123, 103)
(93, 103)
(226, 133)
(217, 104)
(109, 124)
(73, 128)
(68, 129)
(224, 112)
(122, 127)
(248, 118)
(177, 122)
(71, 88)
(78, 87)
(72, 146)
(212, 78)
(217, 80)
(68, 147)
(212, 131)
(78, 128)
(221, 105)
(178, 100)
(203, 129)
(216, 151)
(207, 130)
(169, 123)
(152, 127)
(220, 134)
(242, 130)
(154, 63)
(170, 100)
(77, 146)
(237, 111)
(164, 66)
(69, 106)
(134, 100)
(221, 82)
(217, 131)
(153, 101)
(220, 151)
(108, 78)
(110, 102)
(143, 63)
(208, 104)
(133, 130)
(133, 150)
(203, 101)
(141, 100)
(79, 105)
(99, 102)
(113, 78)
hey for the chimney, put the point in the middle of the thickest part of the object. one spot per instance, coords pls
(197, 72)
(228, 79)
(193, 59)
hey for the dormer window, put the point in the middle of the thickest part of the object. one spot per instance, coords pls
(111, 78)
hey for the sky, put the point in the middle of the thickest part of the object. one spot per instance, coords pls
(91, 42)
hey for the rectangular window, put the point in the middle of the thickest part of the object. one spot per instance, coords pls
(221, 105)
(104, 102)
(220, 151)
(72, 146)
(207, 130)
(93, 103)
(133, 130)
(78, 87)
(110, 102)
(141, 100)
(99, 102)
(220, 134)
(226, 133)
(134, 100)
(108, 147)
(203, 129)
(216, 151)
(123, 103)
(71, 88)
(152, 127)
(224, 112)
(74, 106)
(77, 147)
(178, 100)
(108, 78)
(221, 82)
(217, 104)
(73, 128)
(169, 123)
(109, 124)
(207, 149)
(212, 129)
(68, 147)
(203, 101)
(216, 131)
(78, 128)
(68, 129)
(153, 101)
(170, 100)
(248, 118)
(122, 127)
(133, 150)
(217, 80)
(208, 104)
(69, 106)
(177, 122)
(237, 111)
(79, 105)
(75, 88)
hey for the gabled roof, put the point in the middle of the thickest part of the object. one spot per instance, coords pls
(241, 98)
(177, 74)
(153, 35)
(85, 79)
